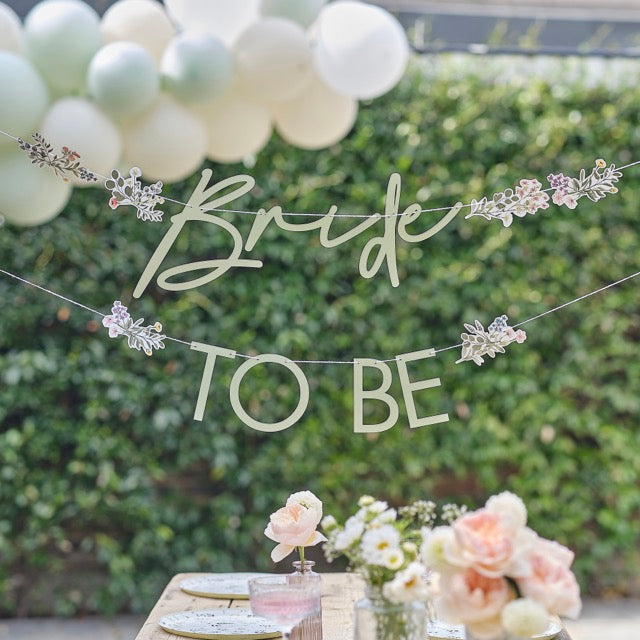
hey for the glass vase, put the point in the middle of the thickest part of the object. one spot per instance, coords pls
(309, 628)
(376, 618)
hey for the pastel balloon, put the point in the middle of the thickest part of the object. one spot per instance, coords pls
(362, 50)
(144, 22)
(24, 97)
(61, 37)
(168, 142)
(304, 12)
(316, 119)
(29, 195)
(11, 38)
(225, 19)
(80, 125)
(197, 67)
(273, 60)
(237, 127)
(123, 79)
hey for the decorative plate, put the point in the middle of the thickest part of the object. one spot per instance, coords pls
(221, 585)
(550, 632)
(218, 624)
(439, 630)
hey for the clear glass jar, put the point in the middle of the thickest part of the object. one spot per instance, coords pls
(310, 628)
(376, 618)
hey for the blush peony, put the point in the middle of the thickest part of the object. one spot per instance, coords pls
(551, 582)
(293, 526)
(475, 600)
(490, 544)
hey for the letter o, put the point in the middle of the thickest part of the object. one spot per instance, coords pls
(269, 427)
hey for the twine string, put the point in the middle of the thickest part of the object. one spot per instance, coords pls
(349, 362)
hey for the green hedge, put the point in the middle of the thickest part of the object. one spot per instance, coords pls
(108, 487)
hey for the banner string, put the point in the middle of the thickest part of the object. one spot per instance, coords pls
(349, 362)
(320, 215)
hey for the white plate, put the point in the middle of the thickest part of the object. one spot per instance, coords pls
(220, 585)
(550, 632)
(442, 631)
(236, 624)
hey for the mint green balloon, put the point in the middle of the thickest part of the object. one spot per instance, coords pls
(197, 67)
(29, 195)
(304, 12)
(23, 97)
(61, 37)
(123, 79)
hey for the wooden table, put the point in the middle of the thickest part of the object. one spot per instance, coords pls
(339, 593)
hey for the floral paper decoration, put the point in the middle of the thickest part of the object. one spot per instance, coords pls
(41, 154)
(139, 337)
(594, 186)
(129, 191)
(481, 342)
(528, 197)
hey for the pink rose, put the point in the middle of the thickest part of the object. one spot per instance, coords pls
(490, 544)
(293, 526)
(474, 600)
(551, 582)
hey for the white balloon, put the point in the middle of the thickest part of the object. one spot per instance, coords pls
(236, 127)
(11, 38)
(197, 67)
(225, 19)
(144, 22)
(168, 142)
(362, 50)
(24, 97)
(273, 60)
(78, 124)
(123, 79)
(29, 195)
(304, 12)
(61, 38)
(318, 118)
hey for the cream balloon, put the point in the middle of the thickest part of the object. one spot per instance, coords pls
(24, 97)
(361, 50)
(273, 60)
(316, 119)
(237, 127)
(123, 79)
(226, 19)
(29, 195)
(144, 22)
(80, 125)
(304, 12)
(168, 142)
(197, 67)
(61, 37)
(11, 38)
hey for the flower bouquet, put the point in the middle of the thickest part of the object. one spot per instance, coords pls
(383, 545)
(497, 576)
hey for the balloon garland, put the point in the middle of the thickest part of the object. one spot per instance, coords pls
(162, 87)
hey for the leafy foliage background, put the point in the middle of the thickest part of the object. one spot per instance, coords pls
(107, 485)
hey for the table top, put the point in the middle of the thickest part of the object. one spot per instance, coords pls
(339, 593)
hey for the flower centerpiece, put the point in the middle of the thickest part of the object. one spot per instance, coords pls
(497, 576)
(383, 546)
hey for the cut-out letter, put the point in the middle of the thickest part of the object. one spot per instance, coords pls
(408, 388)
(360, 395)
(269, 427)
(211, 352)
